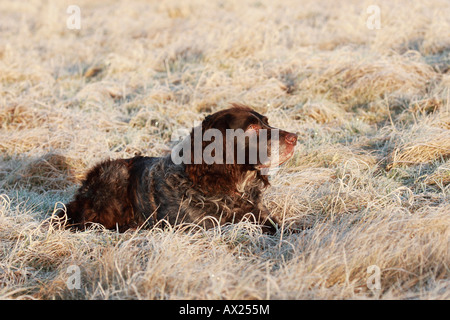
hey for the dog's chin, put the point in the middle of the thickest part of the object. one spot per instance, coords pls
(273, 164)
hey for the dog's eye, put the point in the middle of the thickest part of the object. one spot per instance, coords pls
(254, 127)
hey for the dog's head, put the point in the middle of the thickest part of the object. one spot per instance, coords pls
(233, 142)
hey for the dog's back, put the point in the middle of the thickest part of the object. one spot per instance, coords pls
(104, 196)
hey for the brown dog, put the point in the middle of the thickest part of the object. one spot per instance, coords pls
(218, 181)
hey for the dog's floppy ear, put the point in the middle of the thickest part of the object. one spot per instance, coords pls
(218, 176)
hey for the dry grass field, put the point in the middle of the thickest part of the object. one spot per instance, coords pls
(371, 174)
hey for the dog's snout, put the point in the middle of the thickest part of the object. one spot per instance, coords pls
(291, 138)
